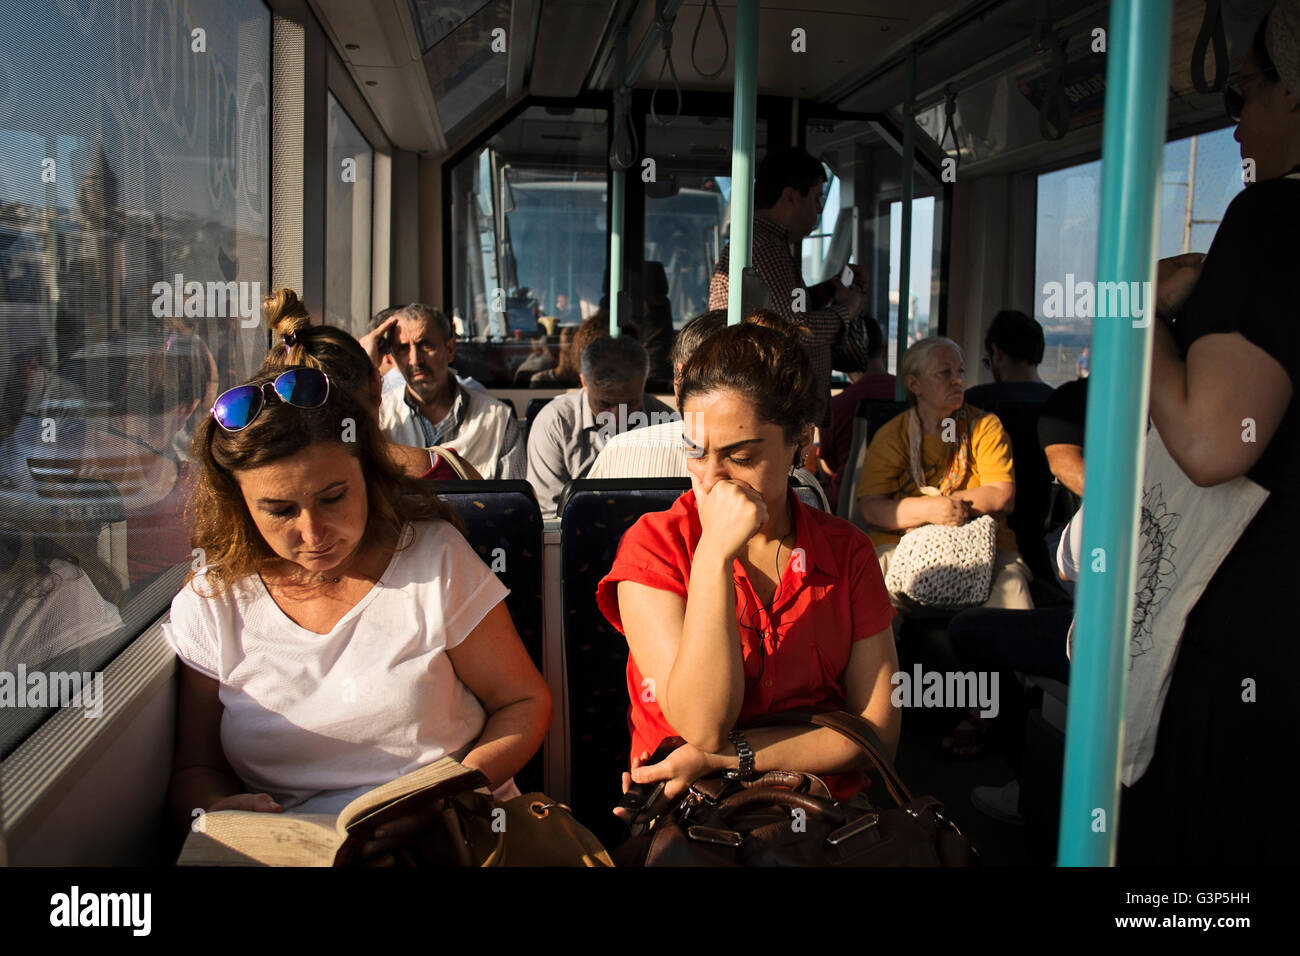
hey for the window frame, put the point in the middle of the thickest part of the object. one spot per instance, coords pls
(888, 128)
(339, 84)
(55, 759)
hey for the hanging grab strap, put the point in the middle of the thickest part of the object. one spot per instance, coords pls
(624, 147)
(950, 127)
(666, 23)
(1054, 114)
(726, 45)
(1212, 31)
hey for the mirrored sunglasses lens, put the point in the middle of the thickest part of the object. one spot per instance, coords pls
(236, 408)
(304, 387)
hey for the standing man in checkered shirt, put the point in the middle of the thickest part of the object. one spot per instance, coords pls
(787, 205)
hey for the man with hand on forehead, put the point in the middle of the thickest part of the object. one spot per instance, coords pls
(435, 407)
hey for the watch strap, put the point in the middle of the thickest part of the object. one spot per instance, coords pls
(744, 752)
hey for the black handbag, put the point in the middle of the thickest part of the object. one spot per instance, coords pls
(790, 818)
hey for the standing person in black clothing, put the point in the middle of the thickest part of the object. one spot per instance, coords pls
(1222, 383)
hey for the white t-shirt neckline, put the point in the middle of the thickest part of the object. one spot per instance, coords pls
(265, 592)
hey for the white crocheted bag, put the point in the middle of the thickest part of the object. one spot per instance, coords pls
(943, 566)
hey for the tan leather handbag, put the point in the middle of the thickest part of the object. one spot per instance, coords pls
(530, 830)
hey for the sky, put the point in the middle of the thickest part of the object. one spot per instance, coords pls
(1069, 207)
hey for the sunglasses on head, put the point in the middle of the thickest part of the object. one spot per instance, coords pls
(236, 408)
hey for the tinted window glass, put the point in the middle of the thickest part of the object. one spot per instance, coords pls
(133, 256)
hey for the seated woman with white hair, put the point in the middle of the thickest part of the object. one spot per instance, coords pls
(941, 443)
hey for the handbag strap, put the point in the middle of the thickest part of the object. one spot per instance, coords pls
(855, 729)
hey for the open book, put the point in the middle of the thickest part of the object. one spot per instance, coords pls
(245, 838)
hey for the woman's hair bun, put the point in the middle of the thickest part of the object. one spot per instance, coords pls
(285, 312)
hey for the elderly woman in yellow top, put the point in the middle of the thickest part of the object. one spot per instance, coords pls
(943, 443)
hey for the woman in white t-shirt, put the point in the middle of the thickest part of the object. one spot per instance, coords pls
(340, 631)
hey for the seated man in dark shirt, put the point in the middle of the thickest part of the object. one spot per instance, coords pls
(1013, 350)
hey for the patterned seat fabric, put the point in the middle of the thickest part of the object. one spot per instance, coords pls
(503, 523)
(595, 516)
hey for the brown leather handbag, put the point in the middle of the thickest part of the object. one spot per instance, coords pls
(790, 818)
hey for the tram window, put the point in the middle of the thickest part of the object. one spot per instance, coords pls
(817, 244)
(465, 65)
(921, 321)
(133, 252)
(529, 238)
(687, 207)
(349, 193)
(867, 189)
(1201, 175)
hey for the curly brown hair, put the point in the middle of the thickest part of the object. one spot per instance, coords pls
(232, 547)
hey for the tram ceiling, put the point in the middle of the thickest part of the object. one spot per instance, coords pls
(958, 41)
(836, 38)
(429, 73)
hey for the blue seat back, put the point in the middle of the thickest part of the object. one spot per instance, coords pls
(870, 414)
(503, 523)
(595, 516)
(879, 412)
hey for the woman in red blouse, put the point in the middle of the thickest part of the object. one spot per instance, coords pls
(740, 600)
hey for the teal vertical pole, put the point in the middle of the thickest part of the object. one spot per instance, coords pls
(617, 187)
(616, 250)
(905, 232)
(1137, 77)
(742, 153)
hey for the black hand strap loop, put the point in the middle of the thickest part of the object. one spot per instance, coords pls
(1054, 114)
(1212, 32)
(726, 44)
(666, 25)
(623, 149)
(950, 127)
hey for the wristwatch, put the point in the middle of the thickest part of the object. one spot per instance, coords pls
(745, 753)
